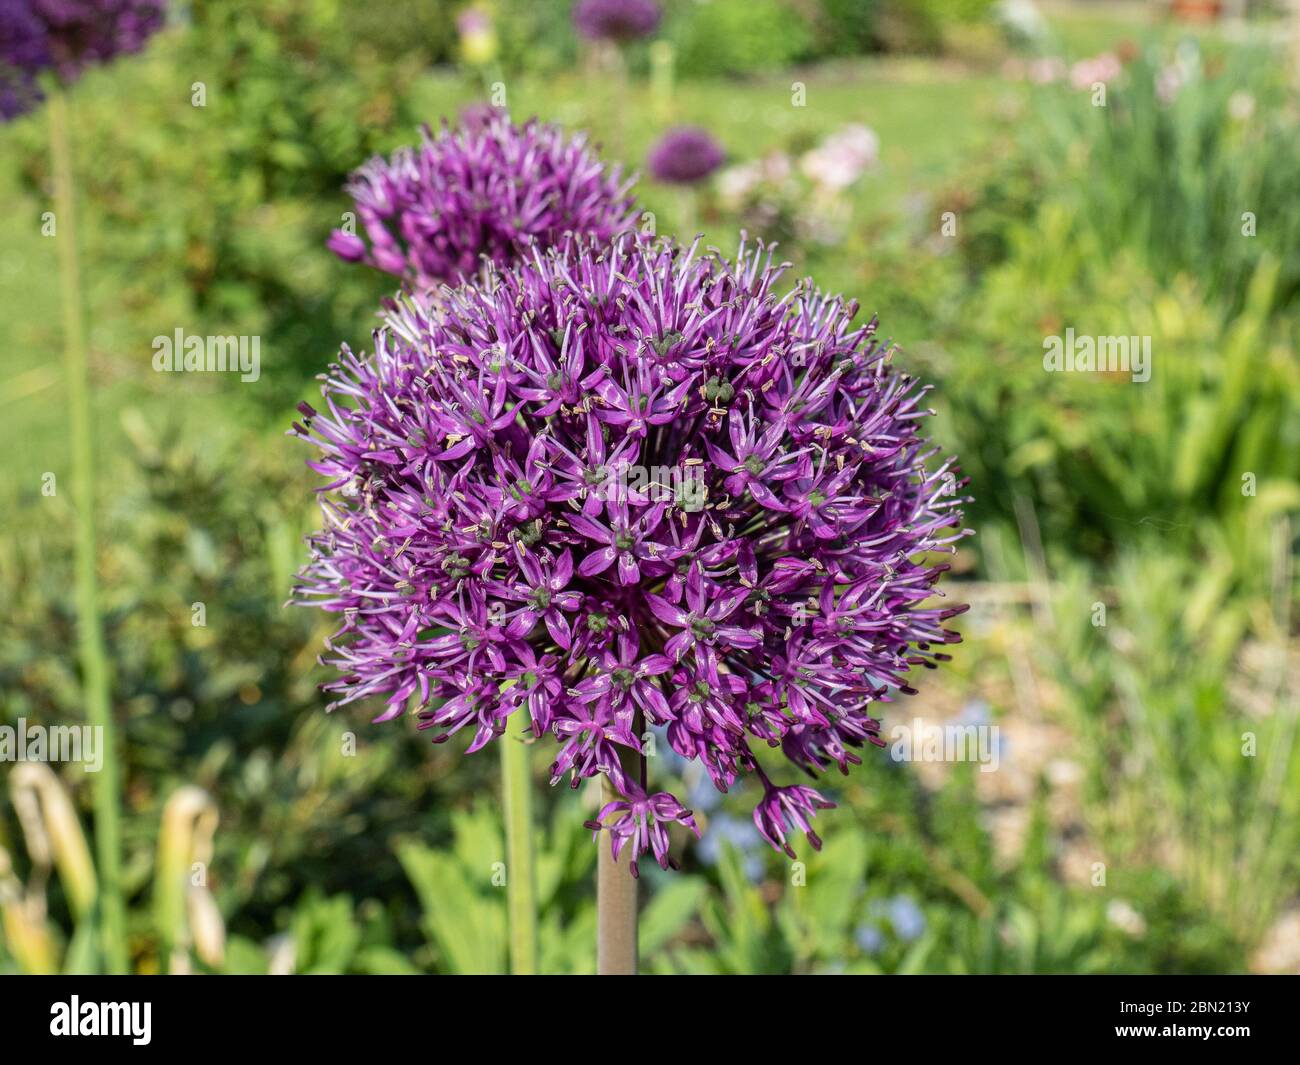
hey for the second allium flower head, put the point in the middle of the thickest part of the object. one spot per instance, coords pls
(685, 155)
(66, 36)
(489, 189)
(491, 563)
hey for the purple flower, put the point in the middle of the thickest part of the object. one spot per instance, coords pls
(489, 189)
(539, 585)
(685, 155)
(790, 807)
(642, 821)
(616, 20)
(628, 682)
(65, 36)
(486, 578)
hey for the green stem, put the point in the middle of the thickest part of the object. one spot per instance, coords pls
(618, 97)
(617, 952)
(688, 225)
(94, 662)
(616, 925)
(521, 881)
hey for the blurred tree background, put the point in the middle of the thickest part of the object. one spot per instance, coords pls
(1145, 811)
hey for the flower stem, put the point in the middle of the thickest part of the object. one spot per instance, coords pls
(521, 883)
(616, 953)
(94, 662)
(688, 223)
(618, 97)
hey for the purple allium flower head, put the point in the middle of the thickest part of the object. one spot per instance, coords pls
(66, 36)
(685, 155)
(488, 189)
(24, 51)
(611, 488)
(616, 20)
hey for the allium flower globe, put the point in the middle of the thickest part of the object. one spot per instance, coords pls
(616, 489)
(616, 20)
(66, 36)
(488, 189)
(685, 155)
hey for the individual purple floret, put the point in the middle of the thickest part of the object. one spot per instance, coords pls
(65, 36)
(489, 189)
(619, 487)
(616, 20)
(685, 155)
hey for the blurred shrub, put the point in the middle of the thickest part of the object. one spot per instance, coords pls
(236, 197)
(1151, 246)
(423, 29)
(1194, 162)
(921, 25)
(1214, 432)
(739, 36)
(847, 27)
(538, 35)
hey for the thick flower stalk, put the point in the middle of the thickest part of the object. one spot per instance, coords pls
(65, 36)
(610, 490)
(489, 189)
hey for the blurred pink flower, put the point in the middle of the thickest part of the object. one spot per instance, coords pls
(1103, 68)
(842, 158)
(1048, 69)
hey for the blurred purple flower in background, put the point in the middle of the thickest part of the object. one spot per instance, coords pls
(685, 155)
(485, 567)
(24, 51)
(616, 20)
(65, 36)
(488, 189)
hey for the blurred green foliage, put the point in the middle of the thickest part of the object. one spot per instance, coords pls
(739, 37)
(1132, 251)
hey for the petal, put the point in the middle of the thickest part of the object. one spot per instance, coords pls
(559, 629)
(664, 610)
(563, 572)
(597, 562)
(592, 530)
(653, 665)
(628, 572)
(679, 645)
